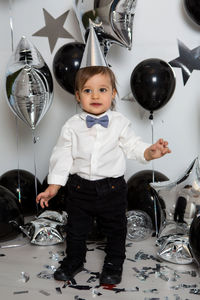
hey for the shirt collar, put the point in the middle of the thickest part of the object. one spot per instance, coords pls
(84, 114)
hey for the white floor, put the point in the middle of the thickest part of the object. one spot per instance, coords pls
(163, 280)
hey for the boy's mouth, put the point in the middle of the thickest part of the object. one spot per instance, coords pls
(95, 104)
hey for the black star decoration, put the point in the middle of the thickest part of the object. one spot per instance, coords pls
(188, 60)
(54, 29)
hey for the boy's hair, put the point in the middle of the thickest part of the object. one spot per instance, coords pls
(85, 73)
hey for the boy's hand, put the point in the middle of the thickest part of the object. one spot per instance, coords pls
(44, 197)
(157, 150)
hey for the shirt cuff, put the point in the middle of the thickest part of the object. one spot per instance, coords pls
(56, 179)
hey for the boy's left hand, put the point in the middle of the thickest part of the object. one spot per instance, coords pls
(157, 150)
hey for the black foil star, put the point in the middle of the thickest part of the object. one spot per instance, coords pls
(54, 29)
(188, 60)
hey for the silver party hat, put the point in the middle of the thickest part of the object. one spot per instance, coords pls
(93, 55)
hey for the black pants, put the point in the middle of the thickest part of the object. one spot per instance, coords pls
(105, 200)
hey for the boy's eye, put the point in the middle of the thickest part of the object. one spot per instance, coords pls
(87, 91)
(103, 90)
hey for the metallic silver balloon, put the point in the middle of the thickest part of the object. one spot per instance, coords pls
(47, 229)
(139, 225)
(173, 242)
(114, 19)
(29, 84)
(176, 250)
(186, 186)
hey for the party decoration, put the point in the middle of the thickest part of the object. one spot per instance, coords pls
(92, 55)
(193, 10)
(114, 20)
(54, 28)
(47, 229)
(173, 243)
(10, 216)
(187, 184)
(66, 63)
(141, 196)
(139, 225)
(188, 60)
(22, 184)
(152, 83)
(29, 84)
(194, 240)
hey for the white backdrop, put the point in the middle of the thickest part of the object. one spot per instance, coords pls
(157, 26)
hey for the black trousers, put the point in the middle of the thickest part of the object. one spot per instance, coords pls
(105, 200)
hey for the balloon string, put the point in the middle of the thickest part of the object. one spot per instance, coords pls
(35, 167)
(11, 25)
(16, 120)
(18, 163)
(153, 176)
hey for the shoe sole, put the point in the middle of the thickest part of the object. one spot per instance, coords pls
(56, 277)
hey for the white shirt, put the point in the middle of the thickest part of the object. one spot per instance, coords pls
(97, 152)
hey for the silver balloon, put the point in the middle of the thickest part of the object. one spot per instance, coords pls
(139, 225)
(29, 84)
(173, 243)
(47, 229)
(182, 196)
(176, 250)
(114, 20)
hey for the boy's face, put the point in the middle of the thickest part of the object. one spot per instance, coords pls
(97, 94)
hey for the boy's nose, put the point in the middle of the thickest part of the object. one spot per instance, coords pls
(95, 94)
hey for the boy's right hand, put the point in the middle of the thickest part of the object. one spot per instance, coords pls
(44, 197)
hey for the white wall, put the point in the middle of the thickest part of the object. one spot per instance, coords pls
(157, 26)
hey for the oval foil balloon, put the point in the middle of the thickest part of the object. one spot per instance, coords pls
(114, 19)
(29, 84)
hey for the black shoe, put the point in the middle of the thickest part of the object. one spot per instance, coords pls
(110, 275)
(67, 272)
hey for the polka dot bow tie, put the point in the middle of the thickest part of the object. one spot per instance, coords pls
(103, 121)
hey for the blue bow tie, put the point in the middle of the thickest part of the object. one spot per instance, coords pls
(103, 121)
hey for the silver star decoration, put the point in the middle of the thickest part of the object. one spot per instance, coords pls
(54, 29)
(188, 60)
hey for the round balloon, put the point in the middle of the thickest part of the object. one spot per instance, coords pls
(192, 8)
(10, 216)
(16, 179)
(194, 240)
(141, 195)
(59, 202)
(66, 63)
(152, 83)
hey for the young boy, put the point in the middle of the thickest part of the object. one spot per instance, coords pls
(90, 157)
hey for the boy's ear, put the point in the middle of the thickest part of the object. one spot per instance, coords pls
(77, 96)
(114, 92)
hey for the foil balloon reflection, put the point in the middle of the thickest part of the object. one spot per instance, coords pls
(29, 84)
(173, 242)
(47, 229)
(114, 20)
(139, 225)
(182, 196)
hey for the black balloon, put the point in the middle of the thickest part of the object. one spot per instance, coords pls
(152, 83)
(59, 202)
(193, 9)
(10, 216)
(194, 241)
(141, 195)
(66, 63)
(14, 179)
